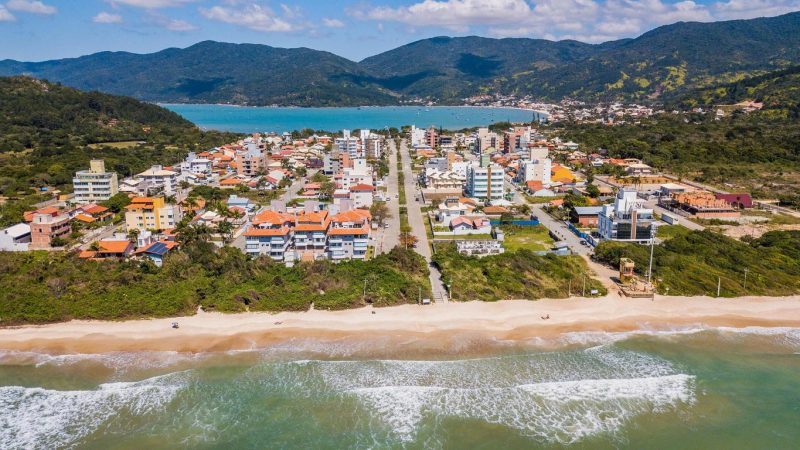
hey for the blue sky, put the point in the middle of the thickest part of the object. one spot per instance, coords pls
(33, 30)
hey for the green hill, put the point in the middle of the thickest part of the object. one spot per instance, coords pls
(48, 131)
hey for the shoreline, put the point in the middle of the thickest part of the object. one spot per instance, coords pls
(510, 320)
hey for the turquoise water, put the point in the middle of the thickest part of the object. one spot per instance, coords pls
(709, 389)
(263, 119)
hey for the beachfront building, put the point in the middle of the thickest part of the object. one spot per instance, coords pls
(148, 213)
(160, 180)
(270, 235)
(310, 235)
(95, 184)
(348, 236)
(626, 220)
(485, 183)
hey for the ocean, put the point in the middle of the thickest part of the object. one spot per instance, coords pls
(245, 119)
(700, 388)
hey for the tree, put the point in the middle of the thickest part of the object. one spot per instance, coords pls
(408, 240)
(593, 191)
(118, 202)
(380, 212)
(326, 189)
(226, 229)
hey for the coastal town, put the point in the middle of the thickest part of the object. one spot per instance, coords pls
(355, 195)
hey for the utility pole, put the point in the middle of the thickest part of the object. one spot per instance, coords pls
(719, 284)
(583, 294)
(364, 294)
(569, 288)
(745, 278)
(652, 245)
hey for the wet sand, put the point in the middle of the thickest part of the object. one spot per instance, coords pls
(512, 320)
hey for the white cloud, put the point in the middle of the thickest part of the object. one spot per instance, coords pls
(256, 17)
(105, 17)
(5, 15)
(586, 20)
(332, 23)
(168, 23)
(151, 4)
(31, 6)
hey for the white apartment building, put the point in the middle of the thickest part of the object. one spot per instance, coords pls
(196, 165)
(536, 170)
(165, 181)
(626, 220)
(94, 185)
(417, 136)
(485, 183)
(349, 145)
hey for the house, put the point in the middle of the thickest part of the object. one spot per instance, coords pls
(470, 225)
(738, 201)
(702, 205)
(156, 251)
(348, 236)
(242, 203)
(48, 224)
(495, 211)
(148, 213)
(117, 247)
(16, 238)
(93, 213)
(585, 216)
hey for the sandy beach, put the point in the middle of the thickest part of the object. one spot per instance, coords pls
(505, 320)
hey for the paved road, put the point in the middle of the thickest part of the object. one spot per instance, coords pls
(416, 221)
(390, 237)
(98, 234)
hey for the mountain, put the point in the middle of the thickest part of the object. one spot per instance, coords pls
(672, 58)
(778, 90)
(214, 72)
(660, 63)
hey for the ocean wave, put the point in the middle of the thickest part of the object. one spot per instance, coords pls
(46, 418)
(786, 336)
(554, 412)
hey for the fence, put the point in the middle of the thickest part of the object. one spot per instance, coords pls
(585, 236)
(522, 223)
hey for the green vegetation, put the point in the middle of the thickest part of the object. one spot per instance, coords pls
(44, 287)
(535, 238)
(513, 275)
(670, 231)
(756, 152)
(48, 132)
(691, 263)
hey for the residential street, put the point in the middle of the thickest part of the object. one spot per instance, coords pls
(388, 238)
(416, 221)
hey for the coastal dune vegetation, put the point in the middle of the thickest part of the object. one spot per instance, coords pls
(694, 263)
(41, 287)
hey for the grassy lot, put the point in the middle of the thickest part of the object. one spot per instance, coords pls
(121, 144)
(537, 200)
(535, 238)
(670, 231)
(692, 263)
(512, 275)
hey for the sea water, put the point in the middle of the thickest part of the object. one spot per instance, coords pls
(709, 389)
(264, 119)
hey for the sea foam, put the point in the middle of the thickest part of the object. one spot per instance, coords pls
(46, 418)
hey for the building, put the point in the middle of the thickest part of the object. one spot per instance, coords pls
(251, 163)
(485, 183)
(349, 145)
(160, 180)
(270, 235)
(156, 251)
(362, 195)
(16, 238)
(196, 165)
(48, 224)
(536, 170)
(701, 204)
(626, 220)
(585, 216)
(348, 236)
(148, 213)
(94, 185)
(311, 235)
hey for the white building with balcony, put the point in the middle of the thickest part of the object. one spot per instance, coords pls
(94, 185)
(626, 220)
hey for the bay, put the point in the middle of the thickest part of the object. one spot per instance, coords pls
(247, 119)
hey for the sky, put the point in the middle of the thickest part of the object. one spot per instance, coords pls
(35, 30)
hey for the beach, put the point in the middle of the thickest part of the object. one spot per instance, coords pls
(510, 320)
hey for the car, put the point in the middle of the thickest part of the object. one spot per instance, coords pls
(386, 225)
